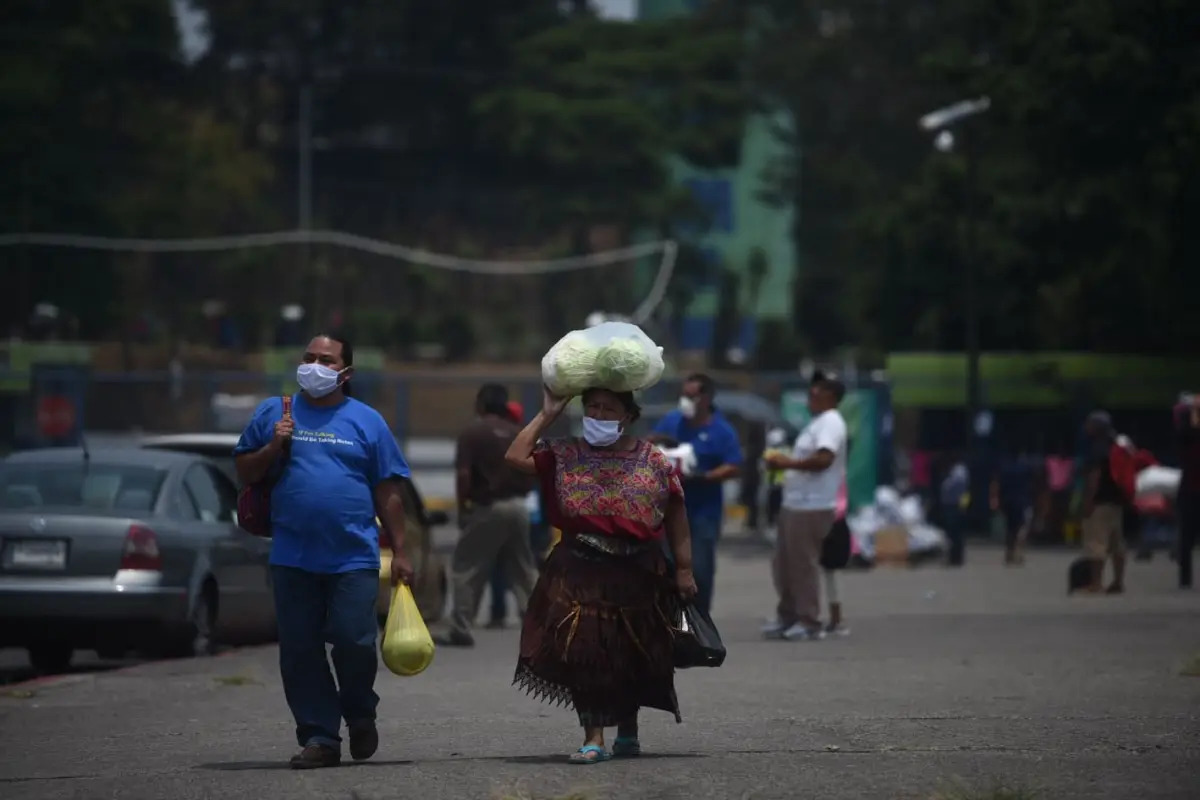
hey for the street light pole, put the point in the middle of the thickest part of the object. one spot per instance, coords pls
(977, 424)
(970, 296)
(940, 121)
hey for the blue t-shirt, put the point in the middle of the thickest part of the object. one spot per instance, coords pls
(323, 506)
(716, 444)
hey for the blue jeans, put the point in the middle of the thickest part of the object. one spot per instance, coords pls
(312, 608)
(539, 541)
(499, 583)
(705, 533)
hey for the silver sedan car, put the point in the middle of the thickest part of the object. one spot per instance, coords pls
(121, 550)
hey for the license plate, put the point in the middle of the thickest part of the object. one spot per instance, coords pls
(36, 554)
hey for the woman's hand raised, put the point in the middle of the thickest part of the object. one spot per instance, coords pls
(552, 404)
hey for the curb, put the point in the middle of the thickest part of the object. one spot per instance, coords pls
(68, 678)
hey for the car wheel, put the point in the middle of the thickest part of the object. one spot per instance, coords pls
(48, 659)
(196, 638)
(204, 623)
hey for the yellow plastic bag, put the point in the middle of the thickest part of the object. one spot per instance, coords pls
(407, 645)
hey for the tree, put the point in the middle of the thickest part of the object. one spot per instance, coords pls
(104, 135)
(1078, 220)
(592, 115)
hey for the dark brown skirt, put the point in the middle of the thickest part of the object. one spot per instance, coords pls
(597, 633)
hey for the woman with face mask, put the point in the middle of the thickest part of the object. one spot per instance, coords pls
(597, 634)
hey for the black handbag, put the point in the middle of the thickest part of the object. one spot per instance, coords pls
(835, 549)
(697, 642)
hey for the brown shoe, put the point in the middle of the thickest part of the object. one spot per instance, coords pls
(364, 740)
(316, 756)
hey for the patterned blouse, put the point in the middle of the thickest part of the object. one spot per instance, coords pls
(607, 492)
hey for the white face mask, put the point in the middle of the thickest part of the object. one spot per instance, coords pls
(601, 432)
(317, 380)
(687, 407)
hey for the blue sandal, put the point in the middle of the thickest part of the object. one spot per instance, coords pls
(589, 754)
(626, 747)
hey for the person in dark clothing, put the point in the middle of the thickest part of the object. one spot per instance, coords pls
(954, 494)
(756, 445)
(1188, 498)
(1012, 497)
(1103, 507)
(499, 580)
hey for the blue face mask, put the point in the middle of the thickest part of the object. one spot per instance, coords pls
(601, 432)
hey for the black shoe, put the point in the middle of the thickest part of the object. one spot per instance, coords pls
(316, 756)
(495, 625)
(454, 639)
(364, 740)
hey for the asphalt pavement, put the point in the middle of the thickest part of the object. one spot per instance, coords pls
(950, 680)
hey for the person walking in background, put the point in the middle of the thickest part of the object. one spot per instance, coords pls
(816, 471)
(1188, 499)
(955, 495)
(1012, 494)
(718, 459)
(499, 581)
(598, 631)
(339, 466)
(1103, 509)
(492, 515)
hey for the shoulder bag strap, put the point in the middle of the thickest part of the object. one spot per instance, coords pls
(287, 412)
(287, 447)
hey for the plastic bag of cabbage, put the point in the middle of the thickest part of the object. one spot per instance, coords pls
(617, 356)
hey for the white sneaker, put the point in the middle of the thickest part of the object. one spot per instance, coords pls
(799, 633)
(774, 629)
(840, 630)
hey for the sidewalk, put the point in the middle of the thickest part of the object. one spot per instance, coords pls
(978, 675)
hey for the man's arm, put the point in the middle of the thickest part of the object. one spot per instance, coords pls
(259, 446)
(464, 455)
(829, 440)
(388, 468)
(389, 505)
(731, 457)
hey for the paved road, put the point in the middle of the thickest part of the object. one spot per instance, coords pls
(973, 677)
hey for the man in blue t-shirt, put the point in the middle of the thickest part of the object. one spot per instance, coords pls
(718, 458)
(336, 466)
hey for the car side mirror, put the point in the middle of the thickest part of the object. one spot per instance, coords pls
(436, 518)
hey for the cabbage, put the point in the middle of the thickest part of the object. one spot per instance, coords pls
(622, 366)
(617, 356)
(572, 365)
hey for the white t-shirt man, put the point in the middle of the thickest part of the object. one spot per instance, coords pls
(817, 491)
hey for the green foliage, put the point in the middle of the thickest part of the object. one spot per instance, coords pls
(595, 108)
(1080, 188)
(102, 135)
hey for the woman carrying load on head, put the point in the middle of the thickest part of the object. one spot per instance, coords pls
(597, 633)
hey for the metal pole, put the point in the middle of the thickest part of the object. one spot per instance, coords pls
(970, 298)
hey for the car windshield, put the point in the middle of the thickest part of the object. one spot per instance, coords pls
(103, 487)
